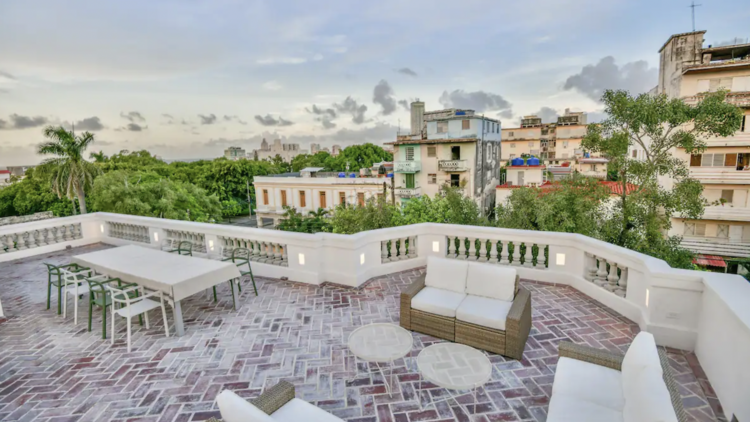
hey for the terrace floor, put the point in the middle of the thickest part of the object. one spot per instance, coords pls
(52, 370)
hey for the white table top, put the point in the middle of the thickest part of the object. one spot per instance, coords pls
(380, 342)
(454, 366)
(177, 275)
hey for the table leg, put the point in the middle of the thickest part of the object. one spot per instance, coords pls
(179, 327)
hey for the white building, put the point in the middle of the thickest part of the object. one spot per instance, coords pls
(285, 151)
(312, 190)
(4, 178)
(234, 153)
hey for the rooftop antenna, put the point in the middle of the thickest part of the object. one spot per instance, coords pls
(693, 6)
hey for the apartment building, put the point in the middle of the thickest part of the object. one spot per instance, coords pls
(453, 147)
(688, 71)
(312, 189)
(285, 151)
(235, 153)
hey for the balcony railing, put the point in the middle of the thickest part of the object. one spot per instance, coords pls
(408, 192)
(407, 166)
(698, 311)
(740, 99)
(723, 175)
(453, 165)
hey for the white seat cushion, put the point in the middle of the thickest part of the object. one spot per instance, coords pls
(297, 410)
(641, 355)
(484, 311)
(437, 301)
(566, 408)
(493, 281)
(590, 382)
(234, 408)
(446, 274)
(649, 400)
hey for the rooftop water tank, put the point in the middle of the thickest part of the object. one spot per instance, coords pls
(353, 175)
(587, 155)
(533, 161)
(389, 175)
(518, 161)
(342, 174)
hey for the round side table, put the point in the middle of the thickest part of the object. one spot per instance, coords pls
(380, 343)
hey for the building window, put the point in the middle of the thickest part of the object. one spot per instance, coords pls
(510, 133)
(432, 151)
(302, 199)
(513, 145)
(695, 160)
(635, 154)
(746, 233)
(283, 198)
(361, 198)
(512, 156)
(565, 144)
(455, 180)
(727, 196)
(442, 127)
(409, 153)
(342, 198)
(700, 229)
(742, 124)
(432, 178)
(722, 231)
(689, 229)
(456, 153)
(730, 160)
(265, 196)
(465, 124)
(322, 199)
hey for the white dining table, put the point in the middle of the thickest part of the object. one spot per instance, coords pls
(178, 276)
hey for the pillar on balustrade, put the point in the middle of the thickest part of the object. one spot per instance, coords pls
(622, 283)
(413, 246)
(472, 249)
(2, 244)
(504, 253)
(612, 278)
(284, 256)
(590, 267)
(528, 257)
(493, 251)
(21, 241)
(276, 253)
(482, 250)
(516, 253)
(383, 251)
(461, 248)
(601, 273)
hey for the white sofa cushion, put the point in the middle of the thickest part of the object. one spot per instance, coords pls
(493, 281)
(446, 274)
(437, 301)
(641, 355)
(567, 408)
(650, 400)
(234, 408)
(484, 311)
(587, 381)
(297, 410)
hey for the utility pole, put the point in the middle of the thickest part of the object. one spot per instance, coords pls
(249, 205)
(693, 6)
(481, 167)
(393, 189)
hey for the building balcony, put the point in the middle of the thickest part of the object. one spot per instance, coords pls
(408, 192)
(582, 290)
(407, 166)
(595, 174)
(453, 165)
(720, 175)
(740, 99)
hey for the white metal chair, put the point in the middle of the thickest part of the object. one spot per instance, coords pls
(75, 284)
(134, 306)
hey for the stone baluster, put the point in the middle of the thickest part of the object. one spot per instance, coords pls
(2, 244)
(516, 253)
(528, 255)
(451, 247)
(482, 250)
(66, 233)
(590, 267)
(504, 253)
(612, 278)
(493, 251)
(413, 247)
(277, 252)
(21, 241)
(33, 236)
(622, 288)
(472, 249)
(601, 273)
(461, 248)
(383, 251)
(11, 243)
(258, 250)
(284, 256)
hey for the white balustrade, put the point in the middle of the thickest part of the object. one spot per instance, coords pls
(35, 238)
(398, 249)
(534, 256)
(260, 251)
(131, 232)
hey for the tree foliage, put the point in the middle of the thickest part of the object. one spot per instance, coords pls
(294, 221)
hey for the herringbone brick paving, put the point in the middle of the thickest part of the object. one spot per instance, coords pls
(52, 370)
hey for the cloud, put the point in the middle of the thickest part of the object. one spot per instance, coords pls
(133, 116)
(132, 127)
(23, 122)
(280, 60)
(407, 71)
(548, 115)
(383, 94)
(350, 106)
(207, 120)
(271, 121)
(324, 115)
(7, 75)
(479, 101)
(405, 104)
(90, 123)
(234, 118)
(593, 80)
(272, 86)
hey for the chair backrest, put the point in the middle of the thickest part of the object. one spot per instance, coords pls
(97, 288)
(121, 294)
(185, 247)
(240, 255)
(52, 269)
(69, 278)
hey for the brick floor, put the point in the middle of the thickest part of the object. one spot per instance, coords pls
(52, 370)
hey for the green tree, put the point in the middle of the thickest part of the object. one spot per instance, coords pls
(32, 194)
(450, 206)
(375, 214)
(357, 157)
(294, 221)
(72, 175)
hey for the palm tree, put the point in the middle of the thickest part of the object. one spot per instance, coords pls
(71, 173)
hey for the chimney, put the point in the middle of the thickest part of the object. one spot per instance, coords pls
(417, 117)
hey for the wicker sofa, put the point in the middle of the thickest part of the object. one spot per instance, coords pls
(593, 385)
(477, 304)
(277, 404)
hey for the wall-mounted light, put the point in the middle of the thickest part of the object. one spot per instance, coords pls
(156, 236)
(362, 259)
(560, 259)
(101, 227)
(211, 244)
(301, 258)
(436, 246)
(647, 294)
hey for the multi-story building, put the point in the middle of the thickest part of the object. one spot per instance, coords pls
(4, 178)
(688, 71)
(311, 190)
(336, 150)
(235, 153)
(448, 147)
(285, 151)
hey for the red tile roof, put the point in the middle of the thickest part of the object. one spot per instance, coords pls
(4, 171)
(616, 187)
(710, 261)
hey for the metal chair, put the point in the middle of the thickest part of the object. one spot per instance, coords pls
(134, 306)
(54, 278)
(240, 257)
(100, 296)
(74, 284)
(184, 247)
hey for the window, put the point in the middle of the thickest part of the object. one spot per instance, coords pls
(727, 196)
(730, 160)
(718, 160)
(455, 180)
(432, 151)
(746, 233)
(265, 196)
(695, 160)
(455, 153)
(510, 133)
(689, 229)
(742, 124)
(283, 198)
(322, 199)
(513, 145)
(410, 181)
(302, 201)
(465, 124)
(409, 153)
(361, 198)
(342, 198)
(531, 144)
(700, 229)
(565, 144)
(722, 231)
(432, 178)
(635, 154)
(442, 127)
(706, 160)
(512, 156)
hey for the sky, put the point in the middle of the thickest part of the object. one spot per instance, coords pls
(185, 79)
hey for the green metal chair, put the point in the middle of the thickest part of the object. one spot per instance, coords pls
(240, 257)
(184, 247)
(55, 278)
(100, 296)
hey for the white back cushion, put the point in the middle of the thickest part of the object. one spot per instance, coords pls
(492, 281)
(234, 408)
(642, 355)
(649, 401)
(446, 274)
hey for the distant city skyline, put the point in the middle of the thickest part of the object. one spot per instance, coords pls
(186, 80)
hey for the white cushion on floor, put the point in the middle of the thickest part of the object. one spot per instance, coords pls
(234, 408)
(446, 274)
(590, 382)
(437, 301)
(297, 410)
(484, 311)
(649, 401)
(492, 281)
(641, 355)
(567, 408)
